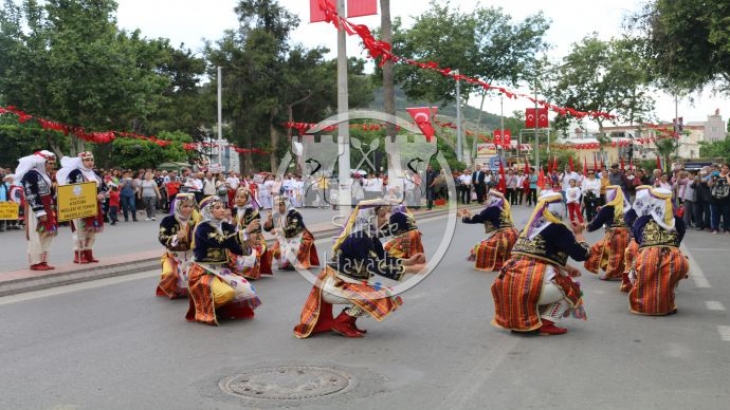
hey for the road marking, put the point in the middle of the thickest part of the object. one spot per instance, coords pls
(695, 272)
(22, 297)
(714, 305)
(724, 332)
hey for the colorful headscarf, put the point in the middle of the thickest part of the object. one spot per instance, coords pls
(657, 203)
(362, 219)
(495, 198)
(37, 162)
(549, 210)
(178, 201)
(615, 198)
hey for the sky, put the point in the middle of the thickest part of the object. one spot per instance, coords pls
(192, 21)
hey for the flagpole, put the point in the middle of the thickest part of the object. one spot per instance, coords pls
(537, 140)
(459, 149)
(343, 129)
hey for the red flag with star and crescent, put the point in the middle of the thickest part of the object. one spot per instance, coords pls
(422, 116)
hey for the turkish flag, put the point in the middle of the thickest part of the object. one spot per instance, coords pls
(507, 138)
(570, 161)
(536, 118)
(541, 179)
(498, 138)
(422, 116)
(502, 184)
(585, 166)
(359, 8)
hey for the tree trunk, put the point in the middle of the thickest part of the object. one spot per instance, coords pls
(386, 35)
(274, 136)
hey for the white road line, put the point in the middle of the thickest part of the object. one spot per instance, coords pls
(695, 272)
(22, 297)
(724, 332)
(714, 305)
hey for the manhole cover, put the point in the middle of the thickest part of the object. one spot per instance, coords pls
(287, 383)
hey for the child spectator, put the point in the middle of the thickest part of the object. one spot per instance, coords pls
(573, 196)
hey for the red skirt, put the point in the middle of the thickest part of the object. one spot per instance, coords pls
(406, 245)
(658, 272)
(490, 254)
(608, 254)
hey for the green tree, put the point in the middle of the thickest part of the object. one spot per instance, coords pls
(605, 76)
(716, 149)
(687, 42)
(66, 60)
(135, 154)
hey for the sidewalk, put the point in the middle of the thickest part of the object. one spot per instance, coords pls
(25, 280)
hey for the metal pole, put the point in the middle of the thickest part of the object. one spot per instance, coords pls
(537, 140)
(459, 149)
(343, 137)
(220, 116)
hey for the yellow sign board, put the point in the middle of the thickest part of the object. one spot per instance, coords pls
(77, 201)
(488, 149)
(9, 211)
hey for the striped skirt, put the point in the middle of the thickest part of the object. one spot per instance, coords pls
(658, 272)
(632, 251)
(306, 253)
(405, 245)
(174, 279)
(608, 254)
(219, 293)
(490, 254)
(378, 303)
(516, 291)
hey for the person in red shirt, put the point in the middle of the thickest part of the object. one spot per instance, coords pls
(114, 204)
(172, 187)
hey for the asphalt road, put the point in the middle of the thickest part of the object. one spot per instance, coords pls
(111, 344)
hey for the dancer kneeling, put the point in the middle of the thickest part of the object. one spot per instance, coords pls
(176, 234)
(659, 265)
(357, 256)
(534, 289)
(245, 212)
(632, 250)
(491, 253)
(406, 240)
(215, 290)
(608, 253)
(294, 242)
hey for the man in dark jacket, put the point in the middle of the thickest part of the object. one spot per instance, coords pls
(702, 200)
(477, 181)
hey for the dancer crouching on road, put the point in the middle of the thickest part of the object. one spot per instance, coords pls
(245, 212)
(357, 256)
(632, 250)
(608, 254)
(41, 225)
(534, 289)
(215, 290)
(406, 240)
(176, 234)
(294, 242)
(491, 253)
(659, 265)
(76, 171)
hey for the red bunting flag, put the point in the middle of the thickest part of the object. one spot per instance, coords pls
(422, 116)
(359, 8)
(317, 14)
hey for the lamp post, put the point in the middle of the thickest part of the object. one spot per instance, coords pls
(220, 116)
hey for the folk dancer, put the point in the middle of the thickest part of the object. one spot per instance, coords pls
(632, 250)
(534, 289)
(491, 253)
(294, 242)
(406, 240)
(245, 212)
(215, 290)
(41, 223)
(358, 255)
(608, 254)
(659, 265)
(176, 235)
(75, 171)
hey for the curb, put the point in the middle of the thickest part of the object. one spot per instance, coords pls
(50, 280)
